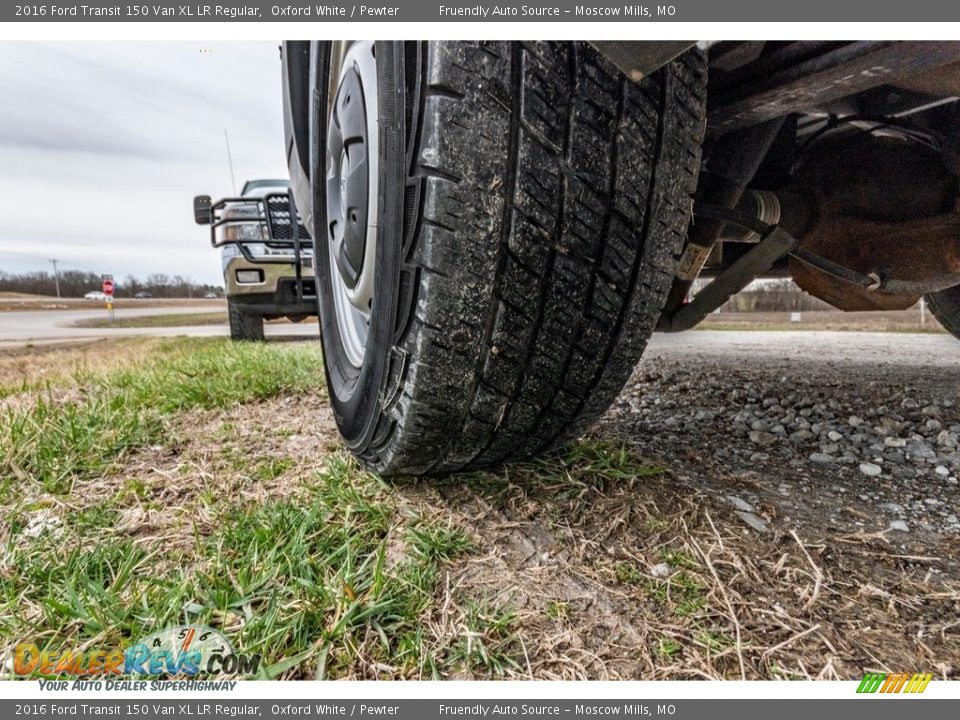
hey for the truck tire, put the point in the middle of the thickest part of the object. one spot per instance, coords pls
(243, 325)
(529, 203)
(945, 306)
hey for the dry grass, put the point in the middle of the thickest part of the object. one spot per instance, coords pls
(177, 320)
(612, 576)
(23, 369)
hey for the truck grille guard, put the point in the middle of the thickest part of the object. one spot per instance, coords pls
(273, 216)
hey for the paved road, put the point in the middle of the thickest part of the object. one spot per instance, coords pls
(43, 326)
(19, 328)
(903, 349)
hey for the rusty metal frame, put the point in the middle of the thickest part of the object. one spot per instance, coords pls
(836, 73)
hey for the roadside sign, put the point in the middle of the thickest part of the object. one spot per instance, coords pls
(108, 291)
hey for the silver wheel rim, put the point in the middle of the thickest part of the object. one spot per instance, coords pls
(353, 296)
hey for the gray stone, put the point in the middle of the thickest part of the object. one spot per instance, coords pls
(757, 523)
(762, 438)
(947, 439)
(870, 469)
(739, 503)
(661, 570)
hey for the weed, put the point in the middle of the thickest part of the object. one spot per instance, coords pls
(667, 647)
(628, 574)
(558, 609)
(491, 641)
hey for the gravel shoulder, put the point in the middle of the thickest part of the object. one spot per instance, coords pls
(850, 433)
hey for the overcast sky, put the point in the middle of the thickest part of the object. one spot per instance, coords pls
(104, 144)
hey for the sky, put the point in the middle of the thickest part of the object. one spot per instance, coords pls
(104, 144)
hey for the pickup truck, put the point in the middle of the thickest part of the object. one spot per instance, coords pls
(499, 226)
(266, 258)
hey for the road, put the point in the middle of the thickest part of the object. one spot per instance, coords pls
(933, 350)
(44, 326)
(885, 348)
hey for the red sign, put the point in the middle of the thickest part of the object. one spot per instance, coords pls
(108, 287)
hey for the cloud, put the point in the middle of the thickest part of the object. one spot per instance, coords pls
(104, 145)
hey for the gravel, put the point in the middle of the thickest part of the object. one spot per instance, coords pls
(789, 433)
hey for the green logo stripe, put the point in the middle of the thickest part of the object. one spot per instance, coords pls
(871, 682)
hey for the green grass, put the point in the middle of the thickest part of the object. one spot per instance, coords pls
(492, 642)
(56, 441)
(682, 594)
(558, 609)
(307, 585)
(339, 574)
(667, 647)
(628, 574)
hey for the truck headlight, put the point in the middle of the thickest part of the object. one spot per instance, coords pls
(237, 230)
(245, 232)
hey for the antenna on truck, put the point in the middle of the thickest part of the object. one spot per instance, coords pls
(233, 180)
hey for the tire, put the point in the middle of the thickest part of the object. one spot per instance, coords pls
(243, 325)
(945, 306)
(532, 206)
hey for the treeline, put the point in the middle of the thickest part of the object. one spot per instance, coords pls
(771, 295)
(780, 295)
(76, 283)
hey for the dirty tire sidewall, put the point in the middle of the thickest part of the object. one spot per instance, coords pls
(355, 392)
(243, 325)
(539, 201)
(945, 306)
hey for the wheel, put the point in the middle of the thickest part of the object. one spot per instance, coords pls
(243, 325)
(497, 226)
(945, 306)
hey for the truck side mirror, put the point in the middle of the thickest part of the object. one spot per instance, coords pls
(201, 209)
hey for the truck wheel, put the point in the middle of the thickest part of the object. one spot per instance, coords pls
(945, 306)
(243, 325)
(497, 227)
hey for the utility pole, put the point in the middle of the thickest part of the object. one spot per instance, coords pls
(56, 276)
